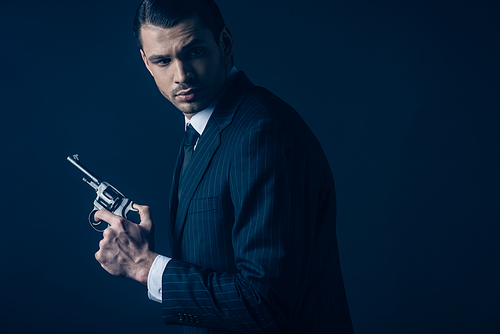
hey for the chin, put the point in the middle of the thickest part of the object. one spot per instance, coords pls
(188, 113)
(192, 108)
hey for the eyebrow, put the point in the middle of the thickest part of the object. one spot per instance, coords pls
(155, 58)
(194, 42)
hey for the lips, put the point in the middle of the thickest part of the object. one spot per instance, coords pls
(188, 95)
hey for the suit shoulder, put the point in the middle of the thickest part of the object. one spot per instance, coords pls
(261, 109)
(261, 104)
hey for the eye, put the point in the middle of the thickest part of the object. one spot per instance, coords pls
(196, 53)
(163, 62)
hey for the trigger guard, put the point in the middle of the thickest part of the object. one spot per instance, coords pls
(95, 225)
(131, 207)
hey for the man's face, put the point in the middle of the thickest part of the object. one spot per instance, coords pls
(187, 64)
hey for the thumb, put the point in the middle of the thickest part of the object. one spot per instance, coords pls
(145, 214)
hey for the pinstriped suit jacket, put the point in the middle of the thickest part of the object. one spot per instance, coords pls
(254, 243)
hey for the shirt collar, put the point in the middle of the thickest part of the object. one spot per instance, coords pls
(200, 119)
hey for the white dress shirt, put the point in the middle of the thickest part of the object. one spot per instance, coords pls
(199, 122)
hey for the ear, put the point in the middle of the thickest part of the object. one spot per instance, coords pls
(226, 42)
(146, 62)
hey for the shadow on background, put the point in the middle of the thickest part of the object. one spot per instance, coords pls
(403, 97)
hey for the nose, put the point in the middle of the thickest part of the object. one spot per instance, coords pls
(183, 72)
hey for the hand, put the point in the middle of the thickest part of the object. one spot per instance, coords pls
(126, 248)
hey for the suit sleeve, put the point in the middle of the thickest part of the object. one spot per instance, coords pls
(274, 190)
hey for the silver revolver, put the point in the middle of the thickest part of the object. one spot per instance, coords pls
(108, 197)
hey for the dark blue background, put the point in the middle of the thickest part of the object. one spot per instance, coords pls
(404, 98)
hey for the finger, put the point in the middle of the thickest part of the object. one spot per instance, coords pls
(108, 217)
(145, 214)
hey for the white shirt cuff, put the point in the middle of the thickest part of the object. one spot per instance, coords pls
(155, 277)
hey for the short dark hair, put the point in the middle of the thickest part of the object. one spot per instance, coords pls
(168, 13)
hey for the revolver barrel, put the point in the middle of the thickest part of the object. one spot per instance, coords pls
(93, 180)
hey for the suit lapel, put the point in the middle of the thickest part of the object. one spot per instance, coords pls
(174, 188)
(205, 149)
(207, 145)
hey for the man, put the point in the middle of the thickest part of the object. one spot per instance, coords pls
(252, 204)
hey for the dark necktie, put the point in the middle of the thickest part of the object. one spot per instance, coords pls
(190, 138)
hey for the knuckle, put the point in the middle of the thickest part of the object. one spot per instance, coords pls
(118, 222)
(106, 234)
